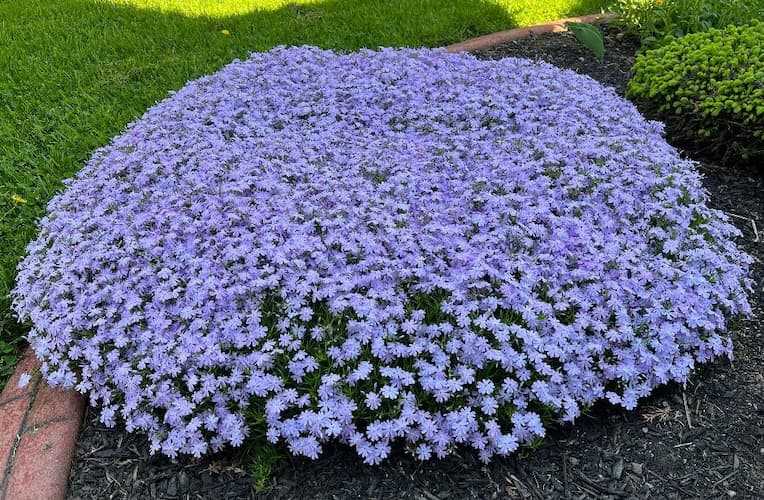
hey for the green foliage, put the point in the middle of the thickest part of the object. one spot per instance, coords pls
(259, 455)
(590, 37)
(658, 21)
(261, 467)
(10, 342)
(8, 358)
(709, 88)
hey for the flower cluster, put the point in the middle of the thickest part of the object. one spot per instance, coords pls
(394, 246)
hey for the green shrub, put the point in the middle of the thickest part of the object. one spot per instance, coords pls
(709, 88)
(658, 21)
(8, 358)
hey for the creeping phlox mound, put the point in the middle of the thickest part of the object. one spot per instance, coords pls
(396, 246)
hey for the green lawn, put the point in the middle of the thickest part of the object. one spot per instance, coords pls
(73, 73)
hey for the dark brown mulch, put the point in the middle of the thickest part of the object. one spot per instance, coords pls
(562, 49)
(705, 440)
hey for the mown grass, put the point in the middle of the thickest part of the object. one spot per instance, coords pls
(73, 73)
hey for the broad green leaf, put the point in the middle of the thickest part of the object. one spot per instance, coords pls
(590, 37)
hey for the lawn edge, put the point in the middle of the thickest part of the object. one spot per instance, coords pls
(493, 39)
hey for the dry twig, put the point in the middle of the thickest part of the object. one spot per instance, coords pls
(753, 225)
(686, 410)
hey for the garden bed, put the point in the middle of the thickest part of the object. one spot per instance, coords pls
(704, 440)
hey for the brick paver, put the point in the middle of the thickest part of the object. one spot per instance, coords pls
(38, 434)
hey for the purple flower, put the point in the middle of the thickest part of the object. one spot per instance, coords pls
(319, 232)
(373, 401)
(24, 380)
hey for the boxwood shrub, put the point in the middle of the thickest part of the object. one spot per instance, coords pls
(658, 21)
(400, 246)
(709, 87)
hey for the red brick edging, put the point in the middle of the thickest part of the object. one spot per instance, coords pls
(494, 39)
(38, 434)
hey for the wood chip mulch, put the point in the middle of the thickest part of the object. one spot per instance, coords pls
(705, 440)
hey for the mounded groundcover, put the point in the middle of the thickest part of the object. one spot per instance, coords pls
(395, 246)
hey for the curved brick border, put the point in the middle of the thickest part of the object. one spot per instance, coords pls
(494, 39)
(38, 433)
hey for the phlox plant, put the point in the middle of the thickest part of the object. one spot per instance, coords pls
(394, 246)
